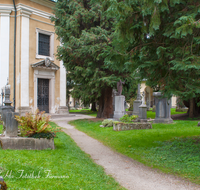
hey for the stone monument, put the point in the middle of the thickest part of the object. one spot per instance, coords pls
(143, 109)
(2, 97)
(137, 102)
(119, 87)
(114, 93)
(163, 111)
(10, 125)
(119, 102)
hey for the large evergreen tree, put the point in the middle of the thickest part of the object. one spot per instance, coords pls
(162, 41)
(87, 34)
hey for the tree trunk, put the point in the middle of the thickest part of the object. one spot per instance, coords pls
(105, 104)
(194, 109)
(93, 106)
(191, 109)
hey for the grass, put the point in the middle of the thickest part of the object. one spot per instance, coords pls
(84, 111)
(72, 168)
(181, 155)
(150, 114)
(172, 148)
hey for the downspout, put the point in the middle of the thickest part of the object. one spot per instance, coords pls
(14, 54)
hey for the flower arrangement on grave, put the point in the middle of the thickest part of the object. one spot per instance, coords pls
(36, 125)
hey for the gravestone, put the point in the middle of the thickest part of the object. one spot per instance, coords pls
(11, 124)
(7, 108)
(163, 111)
(2, 97)
(137, 102)
(8, 116)
(119, 87)
(114, 93)
(119, 107)
(119, 102)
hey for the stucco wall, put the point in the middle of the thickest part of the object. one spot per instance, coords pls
(38, 18)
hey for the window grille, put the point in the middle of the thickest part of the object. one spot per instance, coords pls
(44, 44)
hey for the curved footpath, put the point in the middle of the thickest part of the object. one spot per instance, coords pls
(129, 173)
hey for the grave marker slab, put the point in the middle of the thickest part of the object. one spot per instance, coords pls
(163, 111)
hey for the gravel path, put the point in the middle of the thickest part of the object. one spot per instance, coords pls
(129, 173)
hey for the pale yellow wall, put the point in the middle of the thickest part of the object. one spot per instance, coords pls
(18, 61)
(35, 21)
(6, 2)
(11, 54)
(142, 86)
(32, 57)
(173, 101)
(28, 3)
(34, 5)
(72, 101)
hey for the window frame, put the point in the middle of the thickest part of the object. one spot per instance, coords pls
(51, 47)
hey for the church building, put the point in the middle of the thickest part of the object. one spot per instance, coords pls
(28, 46)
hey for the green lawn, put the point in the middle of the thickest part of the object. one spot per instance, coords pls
(84, 111)
(150, 114)
(168, 147)
(66, 167)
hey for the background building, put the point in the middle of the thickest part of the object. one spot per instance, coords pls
(149, 98)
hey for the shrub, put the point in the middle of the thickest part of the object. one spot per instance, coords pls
(127, 118)
(107, 123)
(33, 125)
(49, 135)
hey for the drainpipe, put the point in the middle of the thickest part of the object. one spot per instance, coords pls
(14, 54)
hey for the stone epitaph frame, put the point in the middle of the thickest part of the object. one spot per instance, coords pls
(163, 109)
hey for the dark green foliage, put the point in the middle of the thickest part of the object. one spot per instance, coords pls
(161, 40)
(87, 34)
(179, 103)
(44, 135)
